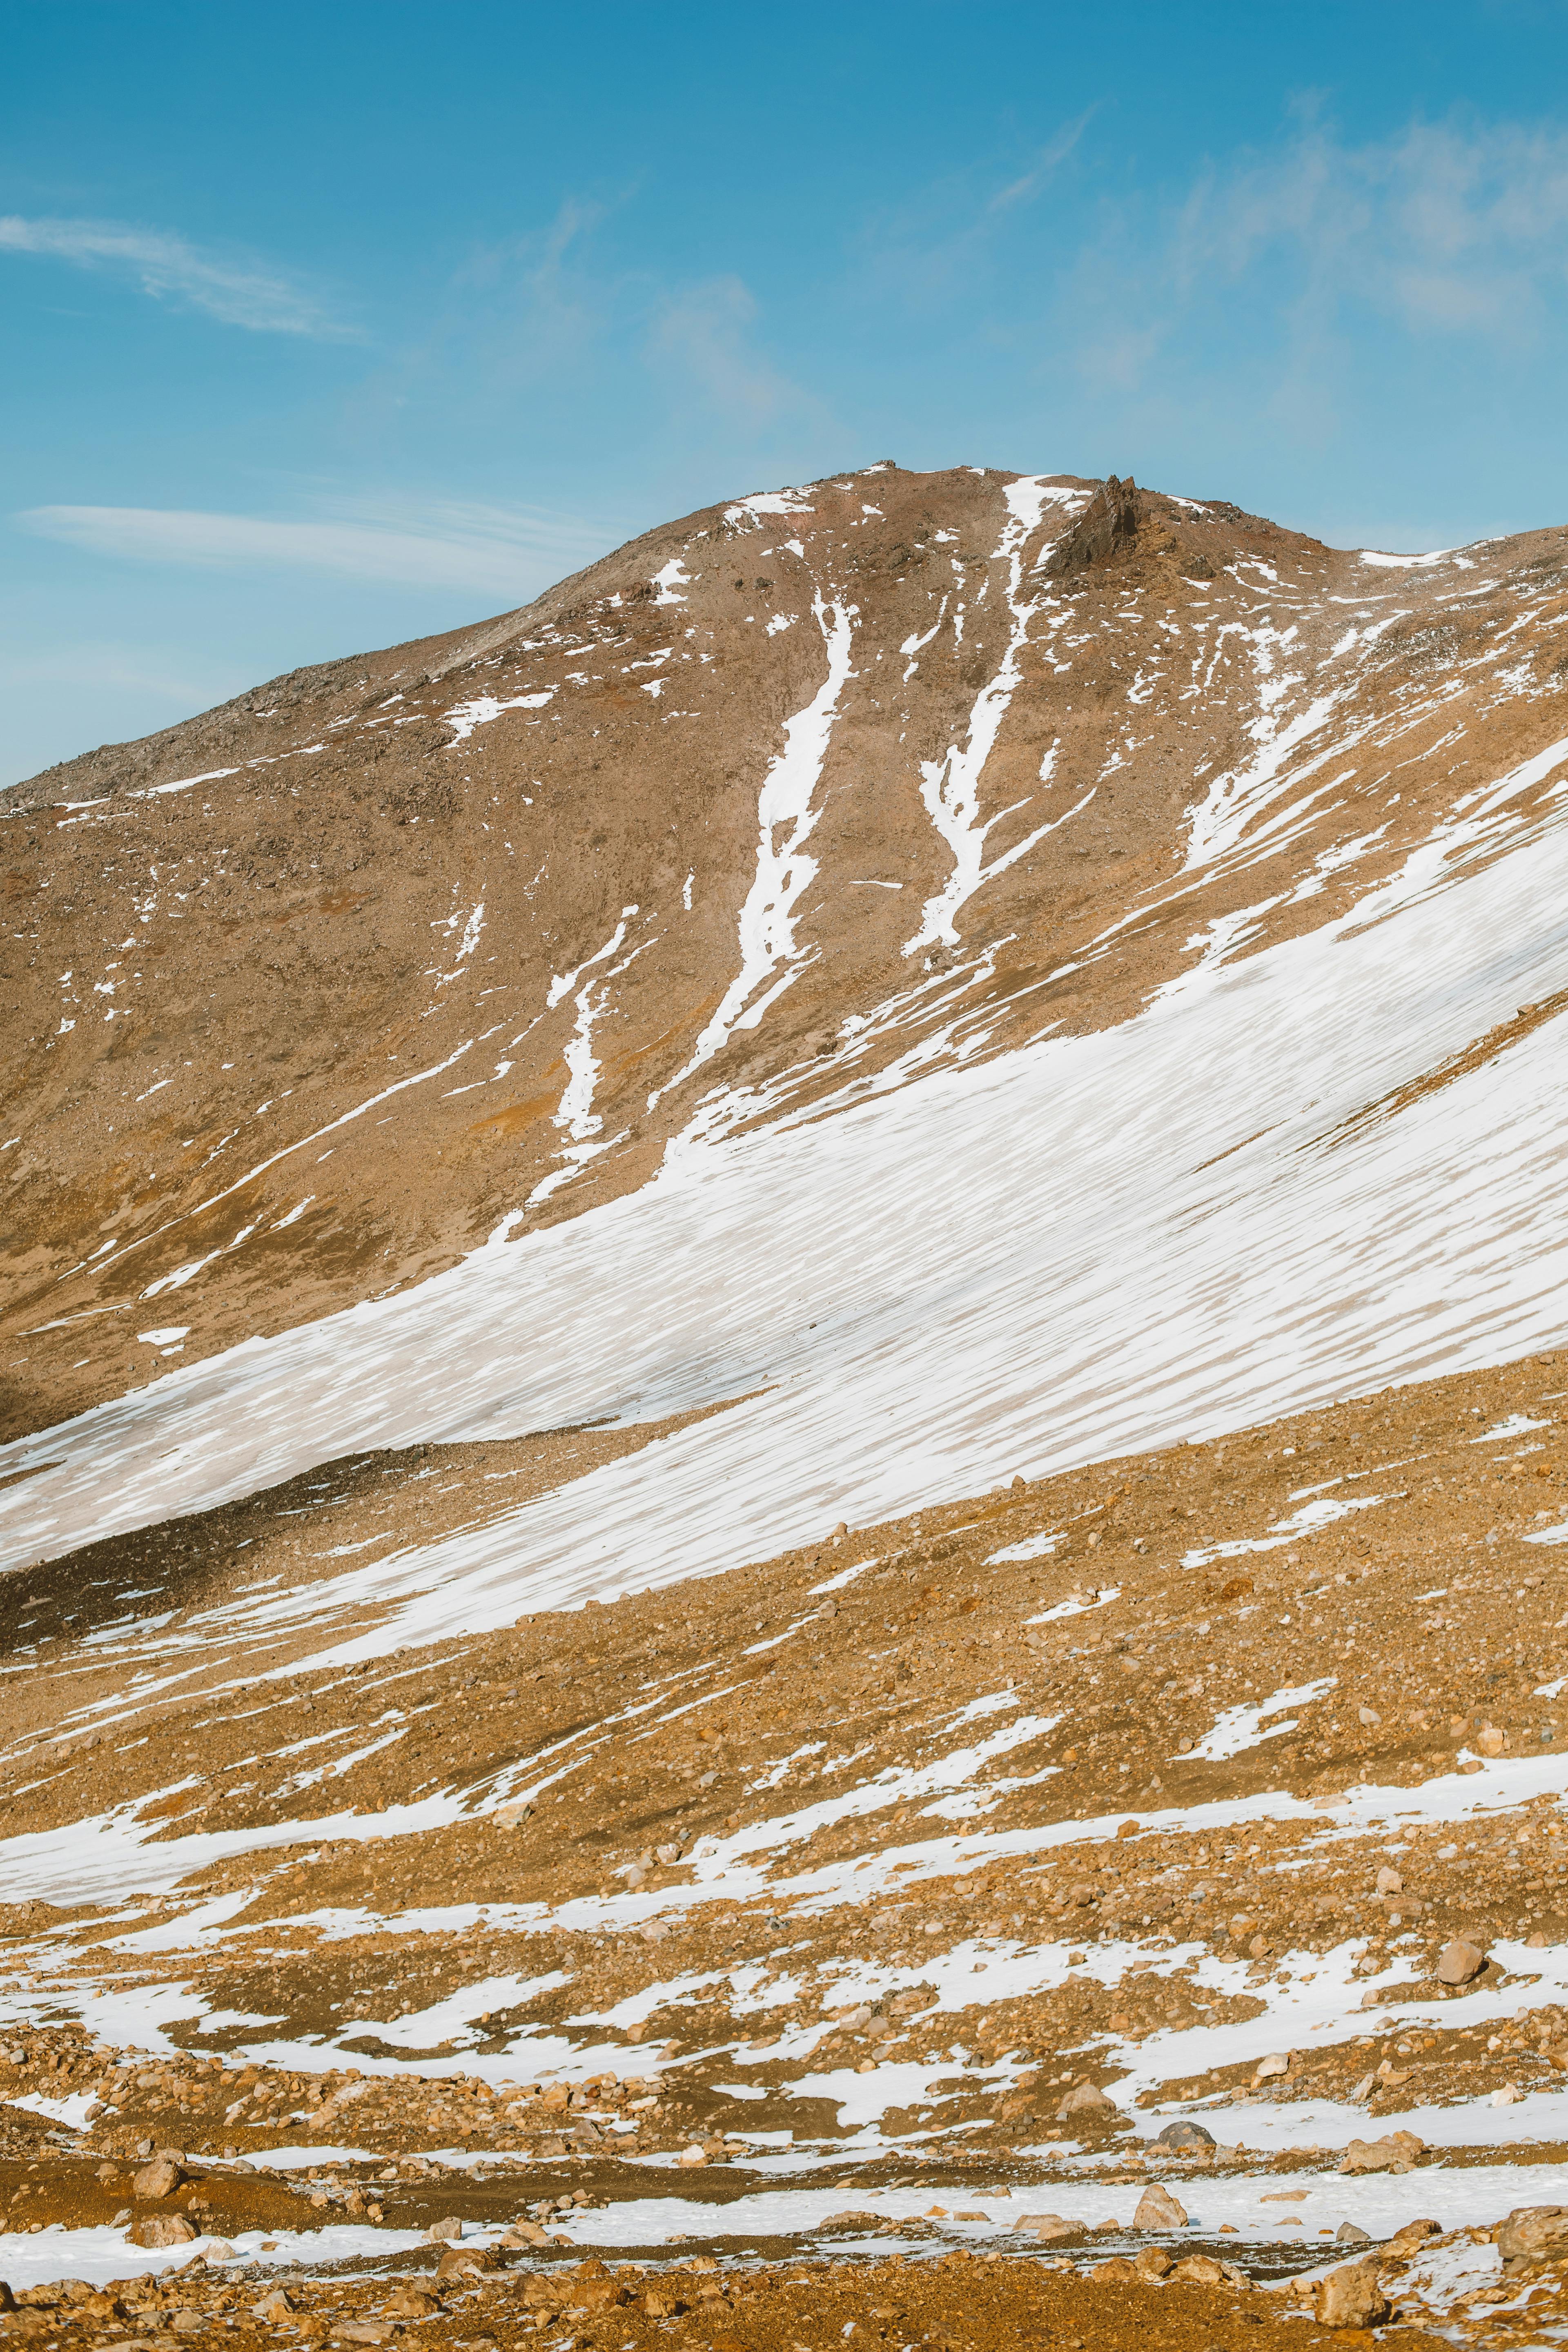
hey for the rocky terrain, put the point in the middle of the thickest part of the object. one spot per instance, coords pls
(878, 1651)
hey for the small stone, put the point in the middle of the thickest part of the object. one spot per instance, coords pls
(693, 2155)
(667, 1854)
(275, 2305)
(1349, 2233)
(1368, 1715)
(1276, 2062)
(1158, 2209)
(1459, 1961)
(1491, 1741)
(1154, 2263)
(1407, 2240)
(1389, 1881)
(1350, 2297)
(445, 2232)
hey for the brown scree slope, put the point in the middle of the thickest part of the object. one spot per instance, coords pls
(303, 997)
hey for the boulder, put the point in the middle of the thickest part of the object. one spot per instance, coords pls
(1184, 2135)
(1206, 2270)
(1396, 2152)
(1085, 2099)
(445, 2232)
(1276, 2062)
(1408, 2241)
(1048, 2225)
(1351, 2296)
(412, 2303)
(1459, 1961)
(159, 2179)
(163, 2229)
(1533, 2233)
(599, 2293)
(1158, 2209)
(466, 2261)
(1154, 2263)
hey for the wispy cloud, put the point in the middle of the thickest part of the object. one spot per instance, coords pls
(240, 292)
(506, 553)
(1443, 227)
(703, 337)
(1051, 155)
(952, 233)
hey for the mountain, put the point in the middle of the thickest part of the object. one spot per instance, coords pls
(758, 819)
(873, 1199)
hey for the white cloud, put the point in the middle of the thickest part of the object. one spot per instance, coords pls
(1439, 228)
(1025, 188)
(703, 335)
(169, 267)
(508, 553)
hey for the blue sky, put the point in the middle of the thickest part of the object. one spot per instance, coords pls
(327, 326)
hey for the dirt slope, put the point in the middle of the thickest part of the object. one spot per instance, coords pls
(795, 798)
(895, 1897)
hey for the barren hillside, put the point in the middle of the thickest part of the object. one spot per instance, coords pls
(783, 1502)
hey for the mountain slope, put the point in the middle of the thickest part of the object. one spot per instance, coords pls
(854, 1248)
(775, 809)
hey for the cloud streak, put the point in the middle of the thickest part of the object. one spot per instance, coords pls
(1440, 228)
(702, 338)
(508, 553)
(172, 269)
